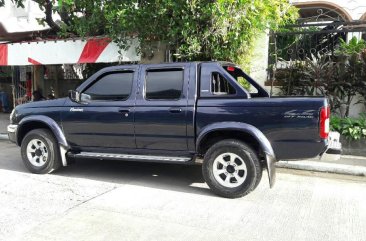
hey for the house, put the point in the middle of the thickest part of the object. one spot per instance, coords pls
(29, 50)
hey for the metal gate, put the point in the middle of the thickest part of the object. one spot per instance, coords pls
(22, 84)
(303, 41)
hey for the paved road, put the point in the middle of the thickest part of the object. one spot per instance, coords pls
(96, 200)
(4, 122)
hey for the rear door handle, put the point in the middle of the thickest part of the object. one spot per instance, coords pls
(175, 110)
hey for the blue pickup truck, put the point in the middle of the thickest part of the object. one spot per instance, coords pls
(187, 113)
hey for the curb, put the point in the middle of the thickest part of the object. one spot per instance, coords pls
(324, 167)
(354, 157)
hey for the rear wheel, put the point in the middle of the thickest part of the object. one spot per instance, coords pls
(231, 169)
(40, 152)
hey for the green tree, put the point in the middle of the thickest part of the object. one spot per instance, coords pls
(194, 29)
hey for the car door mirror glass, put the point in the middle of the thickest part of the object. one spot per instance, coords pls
(85, 97)
(74, 95)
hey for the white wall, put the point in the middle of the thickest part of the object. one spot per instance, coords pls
(259, 61)
(24, 19)
(356, 109)
(355, 8)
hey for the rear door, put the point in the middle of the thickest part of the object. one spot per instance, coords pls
(161, 107)
(105, 118)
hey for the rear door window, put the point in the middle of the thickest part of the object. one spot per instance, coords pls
(164, 84)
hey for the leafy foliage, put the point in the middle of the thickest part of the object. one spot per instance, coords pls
(195, 30)
(314, 76)
(354, 46)
(340, 78)
(19, 3)
(351, 128)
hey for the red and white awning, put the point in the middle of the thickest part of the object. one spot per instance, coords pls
(96, 50)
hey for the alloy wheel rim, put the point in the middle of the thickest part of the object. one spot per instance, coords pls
(229, 170)
(37, 152)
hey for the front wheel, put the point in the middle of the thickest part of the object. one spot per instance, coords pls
(40, 152)
(231, 169)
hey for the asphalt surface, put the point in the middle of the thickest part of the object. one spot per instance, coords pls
(111, 200)
(4, 122)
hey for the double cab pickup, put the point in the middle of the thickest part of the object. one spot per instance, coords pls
(193, 112)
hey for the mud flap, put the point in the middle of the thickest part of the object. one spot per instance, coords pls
(63, 152)
(271, 170)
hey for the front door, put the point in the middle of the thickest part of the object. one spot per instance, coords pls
(105, 118)
(161, 108)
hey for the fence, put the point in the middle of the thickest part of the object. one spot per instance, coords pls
(302, 41)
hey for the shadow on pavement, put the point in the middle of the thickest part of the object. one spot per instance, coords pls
(182, 178)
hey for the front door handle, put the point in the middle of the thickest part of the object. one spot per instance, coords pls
(175, 110)
(124, 111)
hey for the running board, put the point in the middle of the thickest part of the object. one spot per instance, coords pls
(130, 157)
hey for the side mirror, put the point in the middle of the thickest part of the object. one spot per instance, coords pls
(74, 96)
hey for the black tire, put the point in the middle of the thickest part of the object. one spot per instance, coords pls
(259, 178)
(245, 155)
(49, 159)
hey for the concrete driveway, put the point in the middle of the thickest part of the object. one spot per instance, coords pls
(110, 200)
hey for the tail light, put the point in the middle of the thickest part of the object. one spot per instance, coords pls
(324, 122)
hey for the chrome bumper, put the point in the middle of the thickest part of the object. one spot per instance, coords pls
(334, 148)
(12, 130)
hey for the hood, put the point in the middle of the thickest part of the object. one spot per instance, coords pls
(43, 103)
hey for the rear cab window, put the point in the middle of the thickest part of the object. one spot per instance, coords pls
(220, 85)
(216, 82)
(254, 89)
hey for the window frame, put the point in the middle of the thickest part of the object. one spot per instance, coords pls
(163, 69)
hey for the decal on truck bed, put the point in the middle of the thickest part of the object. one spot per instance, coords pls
(299, 114)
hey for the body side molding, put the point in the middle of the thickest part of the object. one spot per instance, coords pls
(130, 157)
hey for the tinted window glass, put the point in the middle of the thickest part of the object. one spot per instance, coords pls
(220, 85)
(115, 86)
(164, 84)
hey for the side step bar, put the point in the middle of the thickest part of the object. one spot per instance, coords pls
(129, 157)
